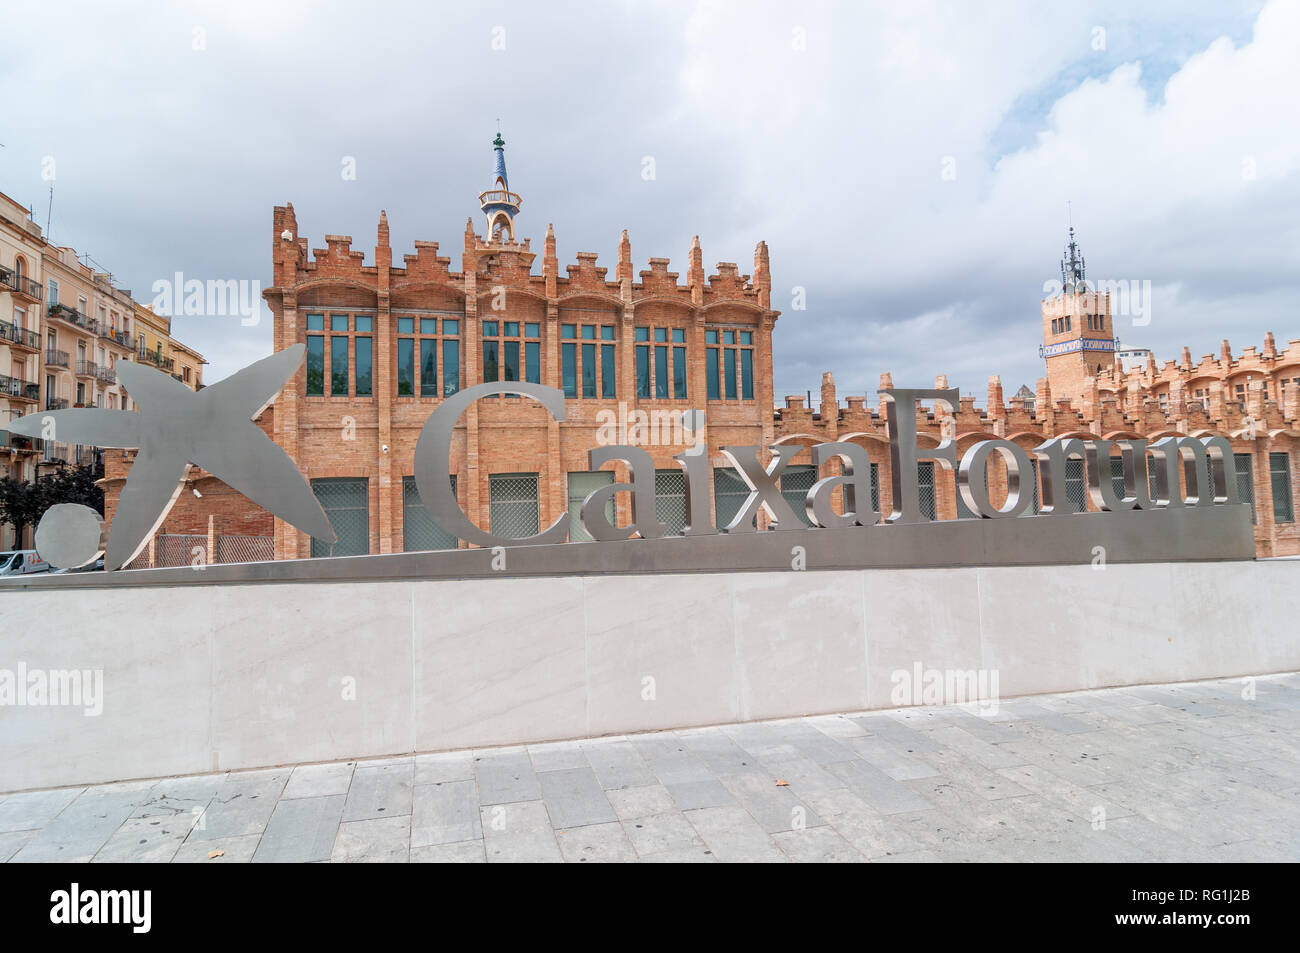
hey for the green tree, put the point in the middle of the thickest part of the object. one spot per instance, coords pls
(23, 503)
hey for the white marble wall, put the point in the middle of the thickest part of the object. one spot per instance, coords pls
(214, 678)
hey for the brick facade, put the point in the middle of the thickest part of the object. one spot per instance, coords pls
(373, 436)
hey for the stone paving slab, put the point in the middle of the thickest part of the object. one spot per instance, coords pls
(1206, 771)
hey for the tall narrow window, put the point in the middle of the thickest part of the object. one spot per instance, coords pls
(746, 374)
(339, 365)
(926, 490)
(643, 363)
(490, 368)
(661, 370)
(670, 500)
(796, 481)
(608, 375)
(588, 370)
(729, 368)
(365, 367)
(406, 367)
(315, 365)
(1279, 471)
(1245, 465)
(533, 361)
(450, 365)
(569, 368)
(711, 365)
(428, 367)
(679, 365)
(510, 364)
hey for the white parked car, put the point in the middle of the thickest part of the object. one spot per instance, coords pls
(18, 562)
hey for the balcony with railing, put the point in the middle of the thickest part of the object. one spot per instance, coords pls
(16, 389)
(122, 338)
(105, 374)
(158, 361)
(20, 285)
(17, 443)
(499, 198)
(87, 369)
(61, 312)
(56, 403)
(19, 337)
(56, 358)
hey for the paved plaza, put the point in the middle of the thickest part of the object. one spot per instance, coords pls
(1206, 771)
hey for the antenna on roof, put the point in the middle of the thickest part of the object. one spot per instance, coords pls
(49, 211)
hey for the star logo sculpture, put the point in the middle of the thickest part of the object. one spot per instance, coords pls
(175, 426)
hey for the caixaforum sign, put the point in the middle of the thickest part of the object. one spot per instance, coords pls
(1204, 462)
(1194, 512)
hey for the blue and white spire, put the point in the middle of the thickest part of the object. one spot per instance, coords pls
(498, 203)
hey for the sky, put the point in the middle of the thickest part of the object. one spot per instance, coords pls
(912, 166)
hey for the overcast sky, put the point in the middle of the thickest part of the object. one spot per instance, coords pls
(908, 164)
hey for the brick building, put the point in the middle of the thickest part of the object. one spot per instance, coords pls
(387, 342)
(64, 327)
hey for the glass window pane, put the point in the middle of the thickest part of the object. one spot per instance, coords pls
(746, 337)
(643, 370)
(679, 336)
(569, 369)
(428, 367)
(796, 481)
(490, 330)
(1075, 492)
(582, 485)
(533, 362)
(679, 373)
(589, 370)
(589, 332)
(513, 504)
(568, 330)
(661, 372)
(661, 334)
(729, 495)
(607, 332)
(346, 502)
(450, 327)
(363, 323)
(406, 325)
(728, 337)
(925, 488)
(532, 330)
(315, 365)
(315, 322)
(1246, 480)
(428, 325)
(608, 376)
(405, 367)
(419, 531)
(511, 329)
(670, 500)
(450, 366)
(511, 361)
(365, 362)
(710, 337)
(730, 370)
(338, 322)
(747, 374)
(643, 334)
(1279, 471)
(711, 369)
(339, 366)
(490, 369)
